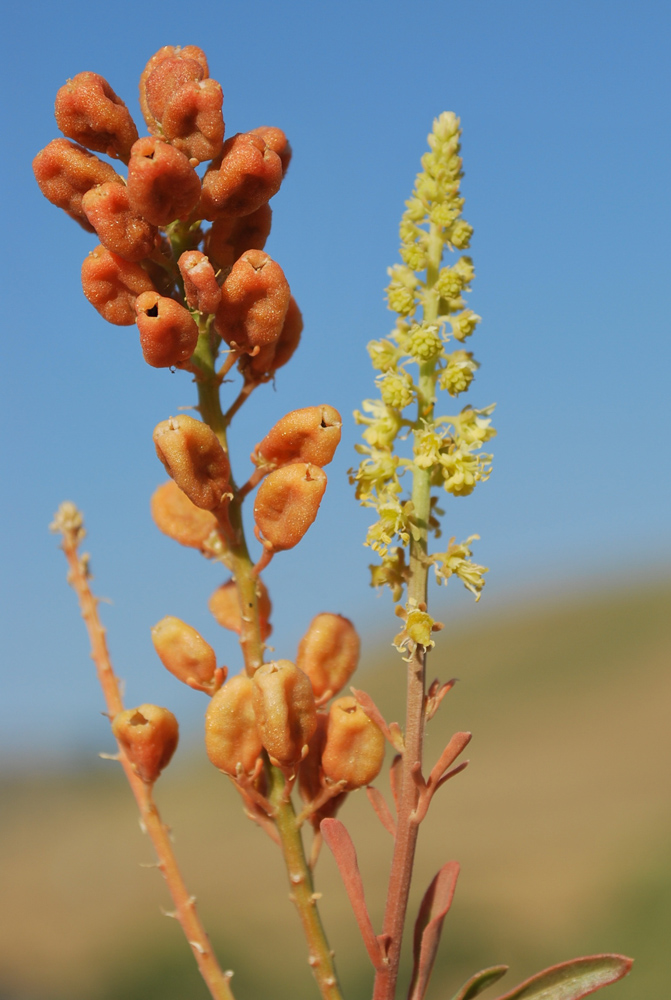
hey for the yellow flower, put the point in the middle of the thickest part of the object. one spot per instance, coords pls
(458, 374)
(457, 562)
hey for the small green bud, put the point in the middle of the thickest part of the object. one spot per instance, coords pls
(425, 343)
(397, 390)
(460, 234)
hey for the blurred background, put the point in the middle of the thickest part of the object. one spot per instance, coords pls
(561, 820)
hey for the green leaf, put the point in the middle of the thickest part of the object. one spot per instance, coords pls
(480, 981)
(572, 980)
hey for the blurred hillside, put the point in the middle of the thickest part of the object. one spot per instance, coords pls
(561, 824)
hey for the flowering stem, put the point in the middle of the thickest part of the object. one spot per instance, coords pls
(217, 982)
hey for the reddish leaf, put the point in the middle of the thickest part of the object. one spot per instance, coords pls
(572, 980)
(340, 842)
(480, 981)
(381, 808)
(432, 912)
(395, 778)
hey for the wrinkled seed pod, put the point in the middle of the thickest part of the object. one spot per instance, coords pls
(225, 606)
(200, 284)
(310, 771)
(193, 457)
(177, 517)
(108, 210)
(112, 284)
(284, 706)
(311, 434)
(168, 331)
(245, 176)
(183, 651)
(227, 239)
(287, 503)
(354, 750)
(276, 140)
(231, 735)
(264, 364)
(254, 302)
(148, 735)
(88, 111)
(162, 184)
(163, 86)
(65, 172)
(192, 119)
(329, 652)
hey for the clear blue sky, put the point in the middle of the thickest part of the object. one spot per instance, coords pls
(565, 109)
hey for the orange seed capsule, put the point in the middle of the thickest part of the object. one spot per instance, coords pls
(162, 184)
(263, 365)
(277, 141)
(193, 457)
(88, 111)
(65, 172)
(231, 735)
(112, 284)
(177, 517)
(328, 653)
(287, 503)
(308, 435)
(179, 65)
(227, 239)
(310, 771)
(354, 750)
(184, 652)
(200, 284)
(148, 735)
(192, 119)
(168, 331)
(225, 606)
(108, 210)
(245, 176)
(254, 302)
(284, 706)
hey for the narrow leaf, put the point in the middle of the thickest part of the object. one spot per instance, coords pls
(480, 981)
(393, 732)
(382, 810)
(432, 911)
(340, 842)
(572, 980)
(457, 744)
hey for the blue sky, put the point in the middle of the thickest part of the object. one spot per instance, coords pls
(565, 109)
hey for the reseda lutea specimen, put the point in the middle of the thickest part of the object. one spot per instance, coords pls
(205, 299)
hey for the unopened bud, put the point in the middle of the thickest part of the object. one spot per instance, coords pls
(225, 606)
(185, 653)
(328, 653)
(108, 210)
(245, 176)
(88, 111)
(65, 172)
(287, 503)
(308, 435)
(227, 239)
(112, 284)
(354, 750)
(177, 517)
(254, 302)
(162, 184)
(193, 457)
(200, 284)
(231, 735)
(276, 140)
(284, 707)
(148, 735)
(168, 331)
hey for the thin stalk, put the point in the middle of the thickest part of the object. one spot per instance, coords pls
(217, 982)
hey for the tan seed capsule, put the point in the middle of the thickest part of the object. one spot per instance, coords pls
(254, 302)
(354, 750)
(177, 517)
(185, 653)
(168, 332)
(308, 435)
(200, 284)
(148, 735)
(112, 285)
(225, 606)
(193, 457)
(328, 653)
(287, 503)
(285, 711)
(231, 735)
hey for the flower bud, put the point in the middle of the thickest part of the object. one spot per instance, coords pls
(287, 503)
(231, 735)
(200, 284)
(148, 735)
(308, 435)
(227, 239)
(184, 652)
(88, 111)
(254, 302)
(225, 606)
(162, 184)
(328, 653)
(108, 210)
(192, 120)
(65, 172)
(354, 750)
(263, 365)
(112, 284)
(245, 176)
(193, 457)
(168, 332)
(284, 707)
(168, 70)
(177, 517)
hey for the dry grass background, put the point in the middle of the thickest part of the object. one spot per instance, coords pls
(561, 824)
